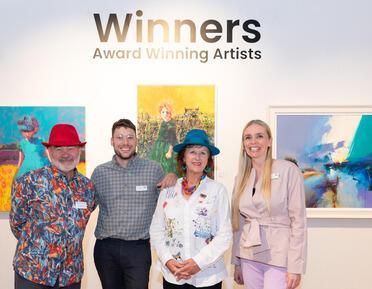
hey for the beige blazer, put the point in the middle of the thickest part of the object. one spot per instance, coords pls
(277, 236)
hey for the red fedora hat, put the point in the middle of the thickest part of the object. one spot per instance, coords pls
(63, 135)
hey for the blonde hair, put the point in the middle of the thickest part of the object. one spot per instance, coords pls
(244, 171)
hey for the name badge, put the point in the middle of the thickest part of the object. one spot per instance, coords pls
(141, 188)
(80, 205)
(274, 176)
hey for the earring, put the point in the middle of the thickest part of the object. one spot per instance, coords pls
(207, 169)
(184, 167)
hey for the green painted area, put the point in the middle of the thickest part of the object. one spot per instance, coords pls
(361, 147)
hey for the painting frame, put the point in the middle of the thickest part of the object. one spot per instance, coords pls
(275, 111)
(188, 106)
(23, 129)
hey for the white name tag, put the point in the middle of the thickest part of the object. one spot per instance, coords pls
(141, 188)
(274, 176)
(80, 205)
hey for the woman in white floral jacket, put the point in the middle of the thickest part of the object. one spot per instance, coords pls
(191, 227)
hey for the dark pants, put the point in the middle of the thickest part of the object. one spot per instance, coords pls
(22, 283)
(167, 285)
(123, 264)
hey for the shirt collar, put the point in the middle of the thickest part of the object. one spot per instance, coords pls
(59, 174)
(132, 161)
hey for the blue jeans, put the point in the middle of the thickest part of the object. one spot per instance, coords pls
(123, 264)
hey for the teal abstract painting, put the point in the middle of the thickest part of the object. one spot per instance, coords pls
(334, 153)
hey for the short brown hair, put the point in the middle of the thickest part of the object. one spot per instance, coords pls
(123, 123)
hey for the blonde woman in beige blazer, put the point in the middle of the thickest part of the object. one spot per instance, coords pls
(269, 215)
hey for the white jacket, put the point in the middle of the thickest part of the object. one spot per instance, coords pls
(197, 228)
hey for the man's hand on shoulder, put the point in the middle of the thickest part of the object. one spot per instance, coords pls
(168, 181)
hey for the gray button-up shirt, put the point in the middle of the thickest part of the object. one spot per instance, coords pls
(126, 197)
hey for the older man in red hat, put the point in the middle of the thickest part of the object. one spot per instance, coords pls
(50, 209)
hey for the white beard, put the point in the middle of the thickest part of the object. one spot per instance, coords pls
(66, 167)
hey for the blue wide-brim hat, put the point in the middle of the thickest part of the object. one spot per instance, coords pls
(197, 137)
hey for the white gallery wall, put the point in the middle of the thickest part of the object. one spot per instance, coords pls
(313, 53)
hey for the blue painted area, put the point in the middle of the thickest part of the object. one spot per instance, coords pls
(328, 184)
(47, 117)
(361, 147)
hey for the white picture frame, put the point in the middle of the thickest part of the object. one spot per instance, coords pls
(319, 111)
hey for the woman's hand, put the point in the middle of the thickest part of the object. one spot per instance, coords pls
(238, 275)
(293, 280)
(189, 268)
(173, 265)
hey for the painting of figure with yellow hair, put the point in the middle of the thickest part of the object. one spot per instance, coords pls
(166, 113)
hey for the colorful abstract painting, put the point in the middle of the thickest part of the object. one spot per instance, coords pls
(167, 113)
(334, 151)
(22, 131)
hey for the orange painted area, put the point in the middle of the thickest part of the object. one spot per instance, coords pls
(7, 173)
(308, 174)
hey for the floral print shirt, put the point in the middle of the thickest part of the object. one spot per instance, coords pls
(197, 228)
(48, 216)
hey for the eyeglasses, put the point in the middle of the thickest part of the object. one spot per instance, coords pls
(122, 137)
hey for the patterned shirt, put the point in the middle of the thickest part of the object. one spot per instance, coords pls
(48, 217)
(197, 228)
(127, 198)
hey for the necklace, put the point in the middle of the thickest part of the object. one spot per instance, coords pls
(189, 190)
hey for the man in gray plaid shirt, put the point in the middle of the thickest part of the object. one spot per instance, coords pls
(127, 191)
